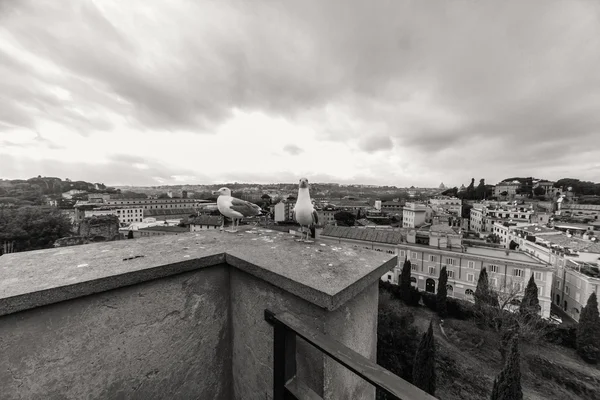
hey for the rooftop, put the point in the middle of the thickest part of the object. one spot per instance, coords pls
(165, 228)
(212, 220)
(502, 254)
(537, 229)
(573, 243)
(322, 273)
(370, 235)
(444, 228)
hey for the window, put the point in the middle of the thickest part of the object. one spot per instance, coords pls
(494, 282)
(471, 264)
(450, 274)
(431, 270)
(493, 268)
(470, 277)
(518, 286)
(413, 267)
(558, 285)
(432, 258)
(538, 276)
(402, 253)
(450, 261)
(567, 290)
(517, 272)
(469, 292)
(414, 255)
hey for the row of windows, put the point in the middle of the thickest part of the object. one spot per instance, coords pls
(471, 264)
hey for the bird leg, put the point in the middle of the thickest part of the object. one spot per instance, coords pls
(233, 226)
(307, 235)
(222, 223)
(301, 234)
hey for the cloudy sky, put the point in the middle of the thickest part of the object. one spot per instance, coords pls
(397, 92)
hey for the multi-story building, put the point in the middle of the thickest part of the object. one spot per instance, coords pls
(414, 215)
(589, 211)
(575, 261)
(483, 215)
(326, 216)
(126, 215)
(574, 282)
(446, 203)
(508, 271)
(284, 211)
(391, 207)
(509, 187)
(154, 204)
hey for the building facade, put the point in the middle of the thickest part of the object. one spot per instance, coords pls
(126, 215)
(414, 215)
(508, 271)
(447, 204)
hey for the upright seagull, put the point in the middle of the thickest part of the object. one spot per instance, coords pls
(233, 208)
(304, 212)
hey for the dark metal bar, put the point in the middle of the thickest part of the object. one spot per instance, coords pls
(355, 362)
(284, 358)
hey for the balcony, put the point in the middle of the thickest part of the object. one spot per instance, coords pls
(205, 315)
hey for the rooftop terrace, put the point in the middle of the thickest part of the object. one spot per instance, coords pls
(193, 316)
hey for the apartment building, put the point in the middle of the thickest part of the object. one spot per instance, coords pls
(589, 211)
(390, 207)
(508, 270)
(284, 211)
(447, 204)
(575, 261)
(126, 215)
(574, 282)
(154, 204)
(205, 223)
(509, 187)
(483, 215)
(414, 215)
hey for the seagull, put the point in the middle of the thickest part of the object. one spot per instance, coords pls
(304, 212)
(234, 208)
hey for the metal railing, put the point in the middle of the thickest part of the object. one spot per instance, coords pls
(286, 386)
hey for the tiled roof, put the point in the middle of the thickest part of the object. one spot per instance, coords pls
(573, 243)
(211, 220)
(370, 235)
(443, 228)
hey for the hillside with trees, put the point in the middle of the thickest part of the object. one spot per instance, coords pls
(36, 191)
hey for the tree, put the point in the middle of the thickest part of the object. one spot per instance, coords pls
(530, 305)
(483, 295)
(424, 365)
(33, 228)
(507, 385)
(470, 191)
(442, 294)
(405, 281)
(344, 218)
(539, 191)
(588, 331)
(480, 190)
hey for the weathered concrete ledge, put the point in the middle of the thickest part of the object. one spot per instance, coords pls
(323, 274)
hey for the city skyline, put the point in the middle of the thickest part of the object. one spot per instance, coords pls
(403, 94)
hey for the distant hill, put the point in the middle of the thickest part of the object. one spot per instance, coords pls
(36, 191)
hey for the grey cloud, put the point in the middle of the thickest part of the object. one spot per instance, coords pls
(533, 86)
(292, 149)
(373, 144)
(118, 171)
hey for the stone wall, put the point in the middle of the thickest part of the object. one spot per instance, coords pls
(100, 226)
(163, 339)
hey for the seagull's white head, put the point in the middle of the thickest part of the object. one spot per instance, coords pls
(222, 192)
(303, 183)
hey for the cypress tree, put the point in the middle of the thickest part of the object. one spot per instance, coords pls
(530, 305)
(424, 365)
(507, 385)
(588, 331)
(405, 281)
(483, 293)
(442, 294)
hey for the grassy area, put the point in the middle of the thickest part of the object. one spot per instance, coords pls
(468, 360)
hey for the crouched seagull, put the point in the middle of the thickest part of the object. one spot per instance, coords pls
(304, 212)
(234, 208)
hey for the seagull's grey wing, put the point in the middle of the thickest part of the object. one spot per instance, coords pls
(315, 217)
(245, 208)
